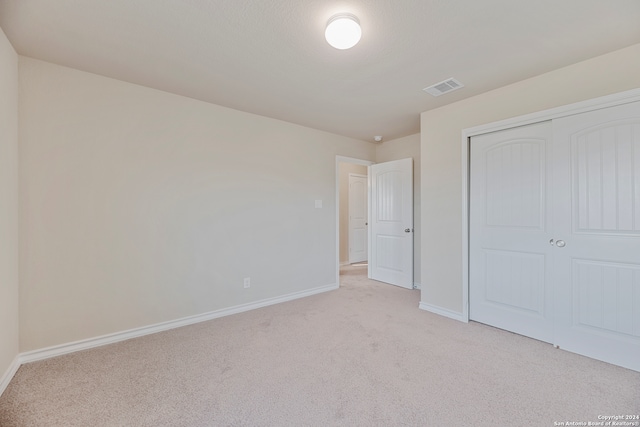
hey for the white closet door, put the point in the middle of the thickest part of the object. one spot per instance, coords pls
(597, 234)
(509, 259)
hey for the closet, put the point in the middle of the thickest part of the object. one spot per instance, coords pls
(554, 231)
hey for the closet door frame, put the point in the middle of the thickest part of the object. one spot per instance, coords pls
(554, 113)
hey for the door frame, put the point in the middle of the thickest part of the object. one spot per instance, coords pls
(352, 160)
(527, 119)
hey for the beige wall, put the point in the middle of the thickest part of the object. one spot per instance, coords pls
(344, 169)
(140, 206)
(441, 131)
(8, 205)
(403, 148)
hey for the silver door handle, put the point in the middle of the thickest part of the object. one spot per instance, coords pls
(407, 230)
(551, 242)
(560, 243)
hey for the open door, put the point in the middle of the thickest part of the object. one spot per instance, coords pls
(391, 223)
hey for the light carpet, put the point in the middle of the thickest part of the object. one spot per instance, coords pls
(363, 355)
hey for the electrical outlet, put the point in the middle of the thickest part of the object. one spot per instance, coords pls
(247, 282)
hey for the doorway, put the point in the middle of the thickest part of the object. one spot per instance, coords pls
(351, 177)
(388, 226)
(357, 217)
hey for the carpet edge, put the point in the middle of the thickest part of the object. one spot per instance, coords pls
(443, 312)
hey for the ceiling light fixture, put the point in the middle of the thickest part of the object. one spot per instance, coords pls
(343, 31)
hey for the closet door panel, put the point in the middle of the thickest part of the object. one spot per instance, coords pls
(596, 214)
(509, 231)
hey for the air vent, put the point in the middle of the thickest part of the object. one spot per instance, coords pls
(443, 87)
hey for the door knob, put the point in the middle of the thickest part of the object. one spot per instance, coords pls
(407, 230)
(560, 243)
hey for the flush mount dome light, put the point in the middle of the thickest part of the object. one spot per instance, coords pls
(343, 31)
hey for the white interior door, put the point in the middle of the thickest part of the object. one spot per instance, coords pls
(358, 207)
(391, 223)
(597, 234)
(509, 253)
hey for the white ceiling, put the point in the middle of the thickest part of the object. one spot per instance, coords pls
(269, 57)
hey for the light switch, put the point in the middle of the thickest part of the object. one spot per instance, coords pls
(318, 203)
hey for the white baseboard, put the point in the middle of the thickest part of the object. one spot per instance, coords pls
(443, 312)
(8, 375)
(59, 350)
